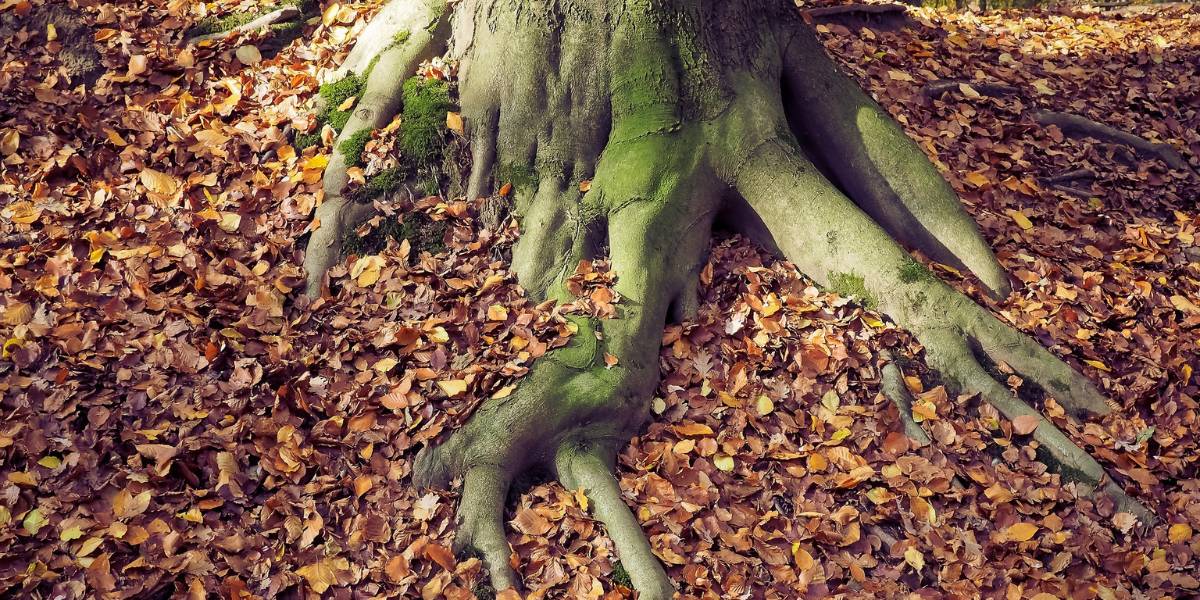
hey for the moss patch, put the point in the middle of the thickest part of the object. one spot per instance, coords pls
(352, 147)
(215, 24)
(912, 271)
(388, 180)
(423, 124)
(849, 284)
(423, 235)
(519, 175)
(306, 140)
(620, 576)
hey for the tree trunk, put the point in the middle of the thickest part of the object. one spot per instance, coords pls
(678, 113)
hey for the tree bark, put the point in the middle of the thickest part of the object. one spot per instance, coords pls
(675, 112)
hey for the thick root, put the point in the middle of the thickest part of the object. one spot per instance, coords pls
(587, 469)
(893, 386)
(481, 523)
(777, 181)
(881, 168)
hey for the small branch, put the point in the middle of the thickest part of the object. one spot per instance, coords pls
(1077, 126)
(266, 20)
(827, 12)
(1070, 176)
(934, 89)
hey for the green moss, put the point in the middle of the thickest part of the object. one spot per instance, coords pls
(912, 271)
(851, 285)
(209, 25)
(423, 124)
(519, 175)
(214, 24)
(352, 147)
(307, 140)
(400, 37)
(388, 180)
(423, 235)
(620, 576)
(337, 119)
(336, 92)
(484, 591)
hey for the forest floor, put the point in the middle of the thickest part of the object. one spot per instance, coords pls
(179, 419)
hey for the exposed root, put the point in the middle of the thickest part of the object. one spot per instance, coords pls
(586, 469)
(276, 16)
(1077, 126)
(777, 182)
(1071, 124)
(886, 16)
(481, 523)
(878, 166)
(892, 383)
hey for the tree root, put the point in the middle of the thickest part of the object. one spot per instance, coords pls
(271, 18)
(601, 158)
(586, 469)
(1070, 124)
(892, 383)
(1077, 126)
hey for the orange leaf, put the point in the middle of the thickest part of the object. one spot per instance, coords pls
(440, 555)
(1021, 532)
(1025, 424)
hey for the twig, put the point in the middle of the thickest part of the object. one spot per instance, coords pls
(1078, 126)
(1070, 176)
(266, 20)
(934, 89)
(829, 12)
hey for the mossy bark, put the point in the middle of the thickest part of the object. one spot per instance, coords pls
(679, 113)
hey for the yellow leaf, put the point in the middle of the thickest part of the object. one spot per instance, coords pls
(804, 560)
(496, 312)
(581, 499)
(454, 122)
(873, 321)
(1179, 532)
(914, 558)
(362, 485)
(453, 387)
(366, 270)
(33, 522)
(88, 546)
(1043, 87)
(159, 182)
(1020, 219)
(22, 478)
(10, 139)
(504, 392)
(50, 462)
(319, 161)
(384, 365)
(764, 405)
(439, 335)
(968, 91)
(1097, 364)
(723, 461)
(230, 222)
(899, 76)
(840, 435)
(70, 534)
(977, 179)
(248, 55)
(1021, 532)
(320, 576)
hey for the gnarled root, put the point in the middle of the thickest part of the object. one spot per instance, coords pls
(614, 138)
(777, 180)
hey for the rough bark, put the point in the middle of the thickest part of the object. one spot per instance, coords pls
(647, 101)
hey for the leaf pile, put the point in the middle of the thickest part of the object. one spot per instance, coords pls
(180, 420)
